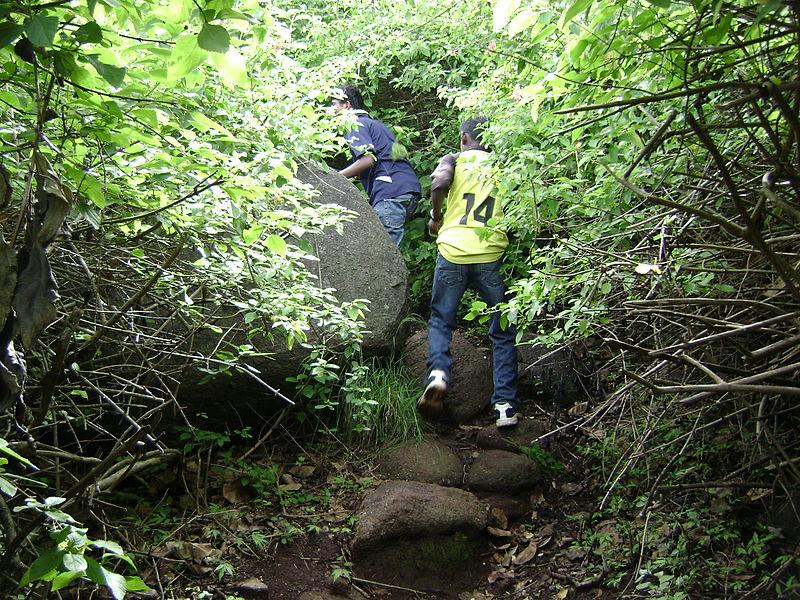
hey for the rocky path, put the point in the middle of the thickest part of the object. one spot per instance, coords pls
(453, 515)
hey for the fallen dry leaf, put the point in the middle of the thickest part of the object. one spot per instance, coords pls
(526, 555)
(500, 517)
(290, 487)
(546, 530)
(537, 497)
(562, 593)
(190, 550)
(758, 494)
(579, 409)
(234, 492)
(571, 488)
(575, 554)
(596, 434)
(303, 471)
(495, 532)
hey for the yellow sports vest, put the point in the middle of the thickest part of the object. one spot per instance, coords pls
(464, 238)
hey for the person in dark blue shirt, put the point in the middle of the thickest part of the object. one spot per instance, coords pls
(390, 183)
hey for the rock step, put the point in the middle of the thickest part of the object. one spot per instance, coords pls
(496, 468)
(422, 535)
(410, 510)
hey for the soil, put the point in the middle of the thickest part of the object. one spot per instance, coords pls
(555, 515)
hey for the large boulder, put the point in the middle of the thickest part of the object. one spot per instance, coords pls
(360, 263)
(512, 439)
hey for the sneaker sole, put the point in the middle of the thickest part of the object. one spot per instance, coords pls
(507, 421)
(431, 403)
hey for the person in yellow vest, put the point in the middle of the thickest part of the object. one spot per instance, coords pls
(471, 248)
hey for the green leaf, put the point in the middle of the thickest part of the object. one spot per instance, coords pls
(75, 563)
(41, 30)
(186, 56)
(232, 67)
(89, 33)
(91, 188)
(9, 32)
(113, 75)
(4, 449)
(214, 38)
(503, 10)
(115, 583)
(109, 545)
(229, 13)
(60, 535)
(717, 34)
(64, 62)
(277, 244)
(62, 580)
(135, 584)
(577, 7)
(176, 11)
(8, 488)
(521, 22)
(43, 567)
(251, 235)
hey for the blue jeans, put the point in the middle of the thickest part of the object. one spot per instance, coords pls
(394, 212)
(450, 281)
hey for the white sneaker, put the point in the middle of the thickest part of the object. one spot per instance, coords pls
(431, 402)
(506, 414)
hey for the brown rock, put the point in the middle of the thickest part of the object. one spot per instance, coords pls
(428, 461)
(409, 510)
(253, 588)
(501, 471)
(512, 439)
(513, 508)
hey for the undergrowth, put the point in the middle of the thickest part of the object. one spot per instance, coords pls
(662, 530)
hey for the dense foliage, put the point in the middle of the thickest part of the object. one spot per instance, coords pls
(648, 156)
(647, 152)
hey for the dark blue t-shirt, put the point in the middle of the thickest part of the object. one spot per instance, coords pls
(387, 178)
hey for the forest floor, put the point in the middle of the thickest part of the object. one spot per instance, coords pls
(296, 545)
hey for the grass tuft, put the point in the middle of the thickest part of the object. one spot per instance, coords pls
(391, 414)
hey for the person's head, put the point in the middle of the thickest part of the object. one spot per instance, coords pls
(347, 97)
(472, 133)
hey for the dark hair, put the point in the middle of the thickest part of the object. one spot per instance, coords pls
(353, 96)
(474, 128)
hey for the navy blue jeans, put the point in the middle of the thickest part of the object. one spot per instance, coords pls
(450, 281)
(394, 212)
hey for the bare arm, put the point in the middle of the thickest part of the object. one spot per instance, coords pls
(364, 163)
(441, 180)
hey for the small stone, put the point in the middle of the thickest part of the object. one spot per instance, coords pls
(253, 588)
